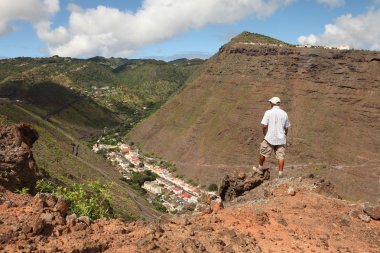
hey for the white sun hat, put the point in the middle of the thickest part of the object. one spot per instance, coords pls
(274, 100)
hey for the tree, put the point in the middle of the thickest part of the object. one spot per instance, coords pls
(212, 188)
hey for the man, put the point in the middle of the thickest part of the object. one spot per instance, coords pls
(275, 128)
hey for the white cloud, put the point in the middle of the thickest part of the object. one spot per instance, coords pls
(108, 31)
(361, 32)
(332, 3)
(33, 11)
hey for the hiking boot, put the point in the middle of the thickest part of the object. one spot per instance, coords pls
(280, 174)
(257, 170)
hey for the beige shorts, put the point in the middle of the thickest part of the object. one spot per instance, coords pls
(266, 150)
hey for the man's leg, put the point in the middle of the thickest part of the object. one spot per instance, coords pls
(261, 160)
(265, 149)
(281, 163)
(280, 154)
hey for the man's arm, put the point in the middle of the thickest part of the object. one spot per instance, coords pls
(286, 130)
(265, 130)
(265, 122)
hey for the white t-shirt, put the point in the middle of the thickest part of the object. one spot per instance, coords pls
(277, 120)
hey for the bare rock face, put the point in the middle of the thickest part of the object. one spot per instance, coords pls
(236, 185)
(17, 166)
(373, 212)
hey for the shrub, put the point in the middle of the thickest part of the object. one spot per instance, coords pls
(192, 182)
(45, 186)
(141, 165)
(212, 188)
(158, 205)
(137, 179)
(91, 199)
(180, 176)
(140, 177)
(24, 190)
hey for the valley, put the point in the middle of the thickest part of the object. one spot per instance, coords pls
(74, 101)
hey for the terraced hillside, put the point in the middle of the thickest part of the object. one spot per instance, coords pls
(332, 96)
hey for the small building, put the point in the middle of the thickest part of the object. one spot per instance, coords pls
(193, 199)
(125, 150)
(176, 190)
(344, 47)
(152, 187)
(185, 196)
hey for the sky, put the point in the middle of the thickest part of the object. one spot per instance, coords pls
(171, 29)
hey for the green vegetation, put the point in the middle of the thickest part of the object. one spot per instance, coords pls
(248, 37)
(192, 182)
(168, 165)
(137, 179)
(91, 199)
(180, 176)
(114, 90)
(73, 101)
(52, 152)
(212, 188)
(45, 186)
(24, 190)
(158, 205)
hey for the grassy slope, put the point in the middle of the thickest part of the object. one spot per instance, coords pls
(58, 102)
(53, 154)
(247, 37)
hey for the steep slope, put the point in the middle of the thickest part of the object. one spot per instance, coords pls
(56, 103)
(52, 153)
(332, 98)
(137, 83)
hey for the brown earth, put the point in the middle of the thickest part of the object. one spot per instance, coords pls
(286, 215)
(332, 98)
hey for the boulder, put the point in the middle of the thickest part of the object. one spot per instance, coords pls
(17, 166)
(38, 225)
(233, 186)
(291, 191)
(373, 212)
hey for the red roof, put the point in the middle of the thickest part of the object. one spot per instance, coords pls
(176, 189)
(125, 150)
(185, 195)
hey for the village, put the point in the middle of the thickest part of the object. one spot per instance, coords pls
(173, 193)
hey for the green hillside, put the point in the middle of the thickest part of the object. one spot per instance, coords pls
(52, 152)
(248, 37)
(73, 100)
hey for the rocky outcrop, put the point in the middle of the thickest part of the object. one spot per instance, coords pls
(279, 222)
(373, 212)
(233, 186)
(17, 165)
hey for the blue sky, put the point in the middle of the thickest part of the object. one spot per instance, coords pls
(168, 29)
